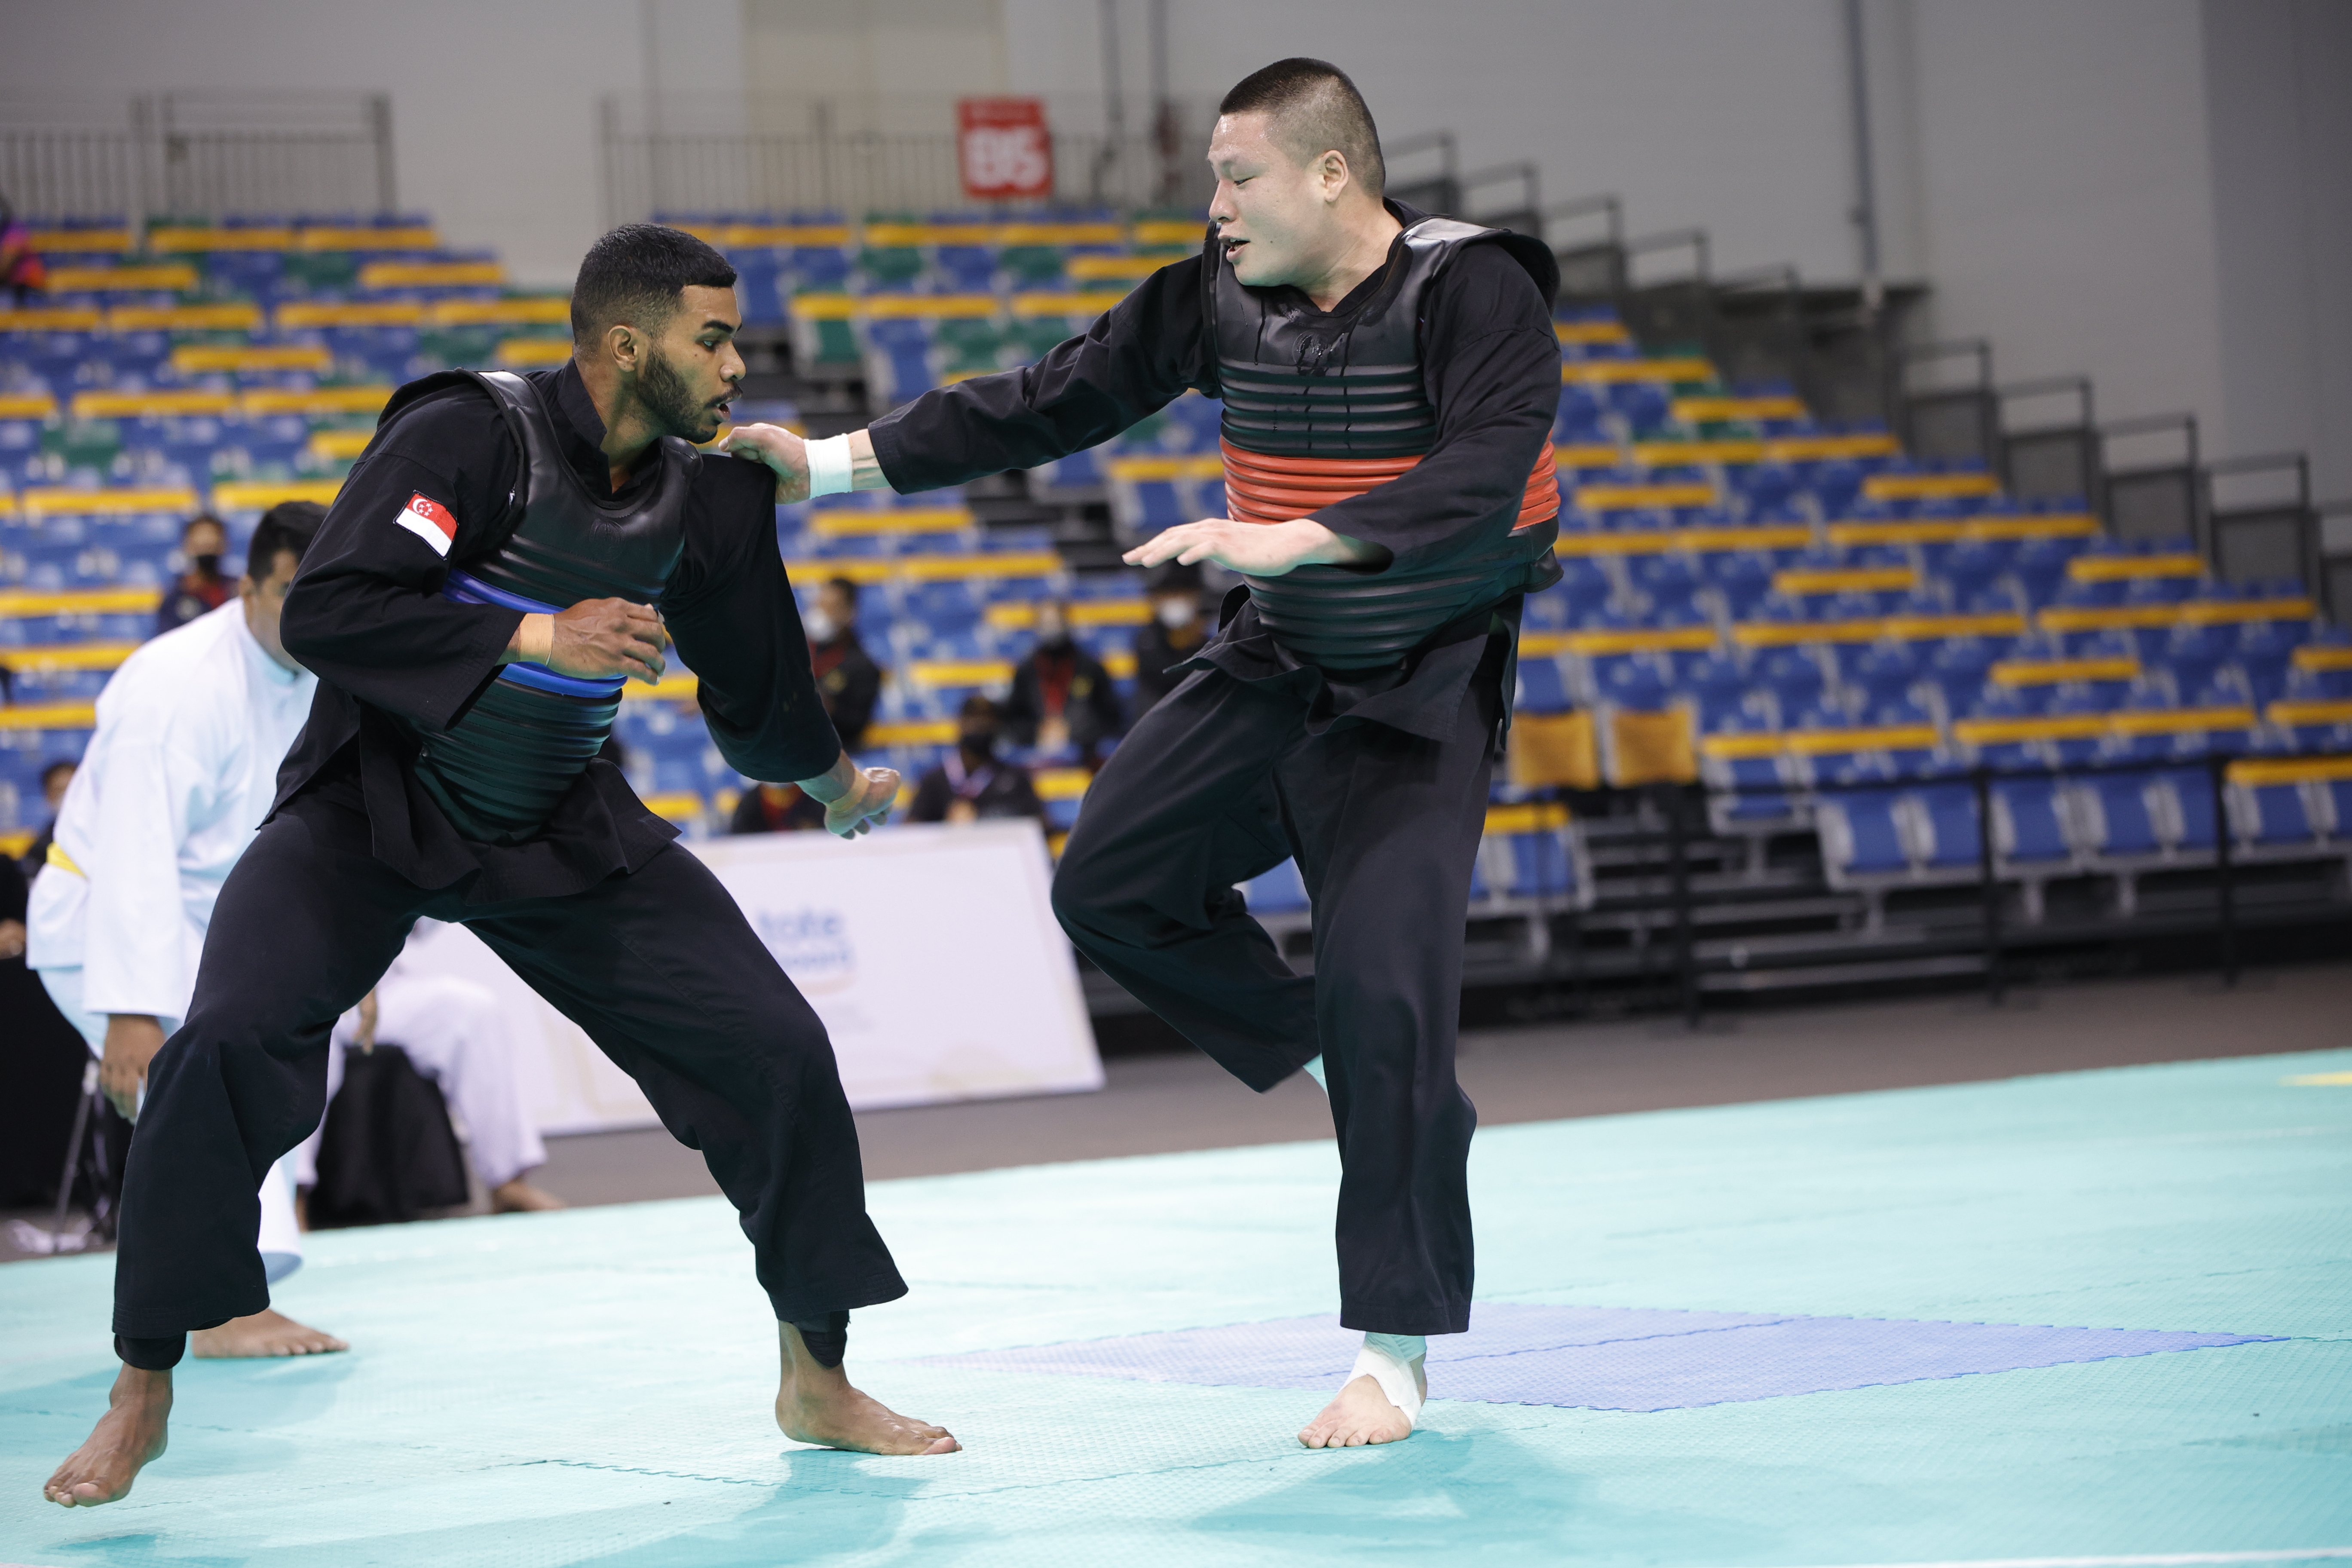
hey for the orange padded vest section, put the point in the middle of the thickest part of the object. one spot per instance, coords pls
(1263, 489)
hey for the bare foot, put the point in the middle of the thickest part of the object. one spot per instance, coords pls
(127, 1437)
(1361, 1414)
(518, 1197)
(817, 1405)
(267, 1332)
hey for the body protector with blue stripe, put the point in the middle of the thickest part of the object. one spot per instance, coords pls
(499, 771)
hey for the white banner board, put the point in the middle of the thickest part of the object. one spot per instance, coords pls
(932, 953)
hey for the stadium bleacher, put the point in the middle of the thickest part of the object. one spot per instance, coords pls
(1801, 616)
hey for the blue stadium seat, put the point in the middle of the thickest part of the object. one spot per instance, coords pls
(1542, 687)
(2275, 816)
(2029, 829)
(1540, 866)
(2127, 828)
(1950, 811)
(1862, 837)
(1279, 891)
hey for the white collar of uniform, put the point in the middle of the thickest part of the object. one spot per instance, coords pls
(257, 655)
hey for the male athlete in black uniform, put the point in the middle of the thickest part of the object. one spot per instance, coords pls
(507, 553)
(1389, 384)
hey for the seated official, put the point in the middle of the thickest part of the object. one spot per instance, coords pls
(848, 682)
(1063, 700)
(777, 808)
(200, 589)
(975, 784)
(1176, 631)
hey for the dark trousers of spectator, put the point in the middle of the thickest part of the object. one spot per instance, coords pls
(659, 966)
(1222, 781)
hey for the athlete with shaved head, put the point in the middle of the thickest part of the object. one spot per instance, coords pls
(1389, 382)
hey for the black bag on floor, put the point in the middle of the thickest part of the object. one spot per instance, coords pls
(389, 1153)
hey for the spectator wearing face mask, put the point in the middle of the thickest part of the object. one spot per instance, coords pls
(1062, 700)
(201, 589)
(1176, 631)
(973, 784)
(848, 682)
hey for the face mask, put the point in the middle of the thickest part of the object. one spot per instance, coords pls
(204, 565)
(819, 624)
(1175, 612)
(979, 742)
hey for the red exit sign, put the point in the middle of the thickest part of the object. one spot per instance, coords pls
(1004, 148)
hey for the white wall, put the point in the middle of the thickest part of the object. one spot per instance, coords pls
(2279, 81)
(493, 101)
(2066, 193)
(2150, 191)
(1727, 116)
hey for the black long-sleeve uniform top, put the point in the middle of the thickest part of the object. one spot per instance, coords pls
(367, 615)
(1490, 365)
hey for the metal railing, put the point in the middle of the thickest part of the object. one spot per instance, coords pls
(201, 156)
(823, 165)
(1672, 804)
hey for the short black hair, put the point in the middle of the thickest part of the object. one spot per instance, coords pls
(198, 521)
(1315, 109)
(287, 528)
(847, 589)
(635, 274)
(976, 706)
(62, 764)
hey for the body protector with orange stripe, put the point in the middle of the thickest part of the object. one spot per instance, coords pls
(1318, 408)
(500, 769)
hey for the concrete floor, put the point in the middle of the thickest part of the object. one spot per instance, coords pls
(1167, 1103)
(1163, 1103)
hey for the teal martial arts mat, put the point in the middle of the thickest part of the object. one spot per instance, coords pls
(2093, 1321)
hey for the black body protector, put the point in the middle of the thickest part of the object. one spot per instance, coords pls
(1301, 384)
(499, 771)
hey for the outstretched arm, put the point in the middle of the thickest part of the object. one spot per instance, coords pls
(1136, 358)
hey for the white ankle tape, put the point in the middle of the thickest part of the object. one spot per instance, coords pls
(1387, 1360)
(829, 465)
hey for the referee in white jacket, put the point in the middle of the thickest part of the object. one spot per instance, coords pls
(180, 771)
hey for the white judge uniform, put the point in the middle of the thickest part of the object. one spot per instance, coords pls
(178, 776)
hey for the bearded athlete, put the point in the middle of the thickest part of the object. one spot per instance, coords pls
(509, 551)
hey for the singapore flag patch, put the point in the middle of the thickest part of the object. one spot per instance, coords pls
(430, 521)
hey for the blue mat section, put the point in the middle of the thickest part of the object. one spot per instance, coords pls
(1606, 1358)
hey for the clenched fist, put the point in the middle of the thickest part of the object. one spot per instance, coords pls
(855, 798)
(868, 804)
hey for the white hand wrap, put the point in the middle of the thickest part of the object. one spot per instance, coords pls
(830, 466)
(1387, 1360)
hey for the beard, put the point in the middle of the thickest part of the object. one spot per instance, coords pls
(664, 394)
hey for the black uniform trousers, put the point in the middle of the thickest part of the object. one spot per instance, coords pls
(1222, 780)
(659, 966)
